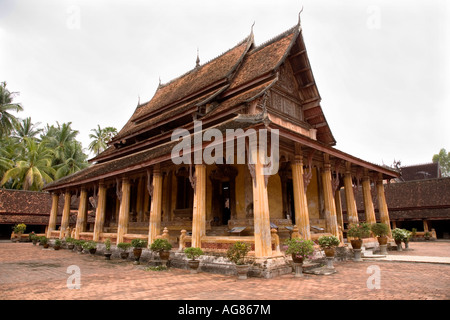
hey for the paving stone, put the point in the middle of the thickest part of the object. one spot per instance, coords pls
(28, 272)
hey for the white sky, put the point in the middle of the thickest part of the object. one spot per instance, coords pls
(381, 66)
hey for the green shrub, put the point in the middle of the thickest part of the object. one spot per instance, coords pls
(160, 245)
(237, 252)
(299, 247)
(359, 230)
(138, 243)
(193, 252)
(328, 241)
(88, 245)
(380, 229)
(124, 246)
(108, 244)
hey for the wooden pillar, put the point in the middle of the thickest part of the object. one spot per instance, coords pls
(339, 215)
(425, 226)
(100, 212)
(352, 211)
(139, 200)
(156, 206)
(367, 195)
(53, 214)
(124, 212)
(199, 207)
(261, 216)
(66, 214)
(300, 201)
(329, 203)
(382, 205)
(82, 213)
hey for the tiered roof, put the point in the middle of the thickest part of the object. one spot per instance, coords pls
(216, 93)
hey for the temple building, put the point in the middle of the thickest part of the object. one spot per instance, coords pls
(137, 190)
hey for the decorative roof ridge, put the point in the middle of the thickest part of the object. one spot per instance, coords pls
(22, 191)
(419, 164)
(245, 40)
(276, 38)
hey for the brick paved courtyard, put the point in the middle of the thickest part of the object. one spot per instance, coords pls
(29, 272)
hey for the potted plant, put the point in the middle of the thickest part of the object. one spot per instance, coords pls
(137, 245)
(34, 238)
(358, 231)
(108, 252)
(299, 249)
(44, 241)
(79, 245)
(19, 229)
(413, 233)
(70, 243)
(57, 244)
(90, 246)
(427, 235)
(236, 253)
(163, 247)
(328, 244)
(124, 246)
(407, 236)
(380, 230)
(193, 253)
(398, 235)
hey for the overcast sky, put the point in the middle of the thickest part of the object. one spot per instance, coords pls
(381, 67)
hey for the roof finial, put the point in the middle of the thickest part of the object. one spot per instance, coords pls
(197, 62)
(299, 15)
(139, 101)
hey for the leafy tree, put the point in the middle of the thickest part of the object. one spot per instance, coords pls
(74, 160)
(443, 157)
(58, 139)
(101, 137)
(26, 129)
(33, 168)
(7, 120)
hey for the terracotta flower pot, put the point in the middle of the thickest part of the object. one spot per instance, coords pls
(193, 265)
(329, 252)
(356, 244)
(296, 259)
(382, 240)
(137, 252)
(242, 271)
(164, 255)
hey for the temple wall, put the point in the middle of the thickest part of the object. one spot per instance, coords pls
(312, 194)
(209, 213)
(275, 197)
(240, 191)
(174, 195)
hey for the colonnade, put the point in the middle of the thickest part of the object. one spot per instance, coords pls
(262, 229)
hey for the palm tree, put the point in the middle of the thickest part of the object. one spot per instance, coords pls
(7, 120)
(58, 138)
(26, 129)
(74, 160)
(33, 168)
(101, 138)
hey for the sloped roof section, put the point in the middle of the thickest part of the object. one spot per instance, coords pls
(195, 81)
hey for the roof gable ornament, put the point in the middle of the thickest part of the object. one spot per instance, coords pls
(197, 62)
